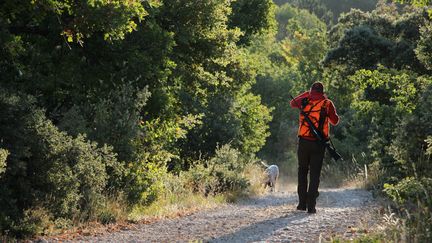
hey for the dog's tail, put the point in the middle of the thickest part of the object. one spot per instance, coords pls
(264, 163)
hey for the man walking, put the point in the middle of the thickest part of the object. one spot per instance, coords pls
(310, 152)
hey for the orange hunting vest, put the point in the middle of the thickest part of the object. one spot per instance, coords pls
(317, 112)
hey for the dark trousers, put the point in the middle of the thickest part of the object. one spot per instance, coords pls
(310, 158)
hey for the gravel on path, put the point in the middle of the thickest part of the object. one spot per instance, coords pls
(268, 218)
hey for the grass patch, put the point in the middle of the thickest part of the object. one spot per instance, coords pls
(187, 192)
(373, 238)
(175, 205)
(178, 201)
(180, 196)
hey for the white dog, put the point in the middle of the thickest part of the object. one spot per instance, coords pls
(271, 176)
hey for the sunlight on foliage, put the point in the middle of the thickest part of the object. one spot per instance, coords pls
(3, 157)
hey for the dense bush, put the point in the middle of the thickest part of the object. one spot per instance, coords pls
(387, 124)
(113, 119)
(79, 127)
(241, 120)
(222, 173)
(154, 153)
(409, 145)
(47, 168)
(412, 203)
(410, 191)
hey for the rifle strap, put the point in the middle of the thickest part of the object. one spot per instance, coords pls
(322, 116)
(304, 122)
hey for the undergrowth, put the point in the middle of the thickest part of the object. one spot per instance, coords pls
(226, 177)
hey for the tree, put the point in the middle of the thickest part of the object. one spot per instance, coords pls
(288, 63)
(77, 20)
(380, 37)
(252, 17)
(418, 3)
(79, 75)
(329, 11)
(424, 46)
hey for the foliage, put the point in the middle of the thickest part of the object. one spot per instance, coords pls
(220, 174)
(409, 145)
(79, 125)
(387, 87)
(114, 119)
(329, 11)
(305, 40)
(145, 180)
(409, 190)
(253, 118)
(302, 44)
(388, 37)
(429, 145)
(352, 46)
(241, 120)
(424, 47)
(153, 152)
(3, 156)
(47, 168)
(289, 63)
(75, 21)
(412, 198)
(318, 8)
(415, 2)
(383, 100)
(252, 17)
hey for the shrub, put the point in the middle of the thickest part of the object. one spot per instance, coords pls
(410, 190)
(220, 174)
(114, 209)
(154, 149)
(409, 145)
(241, 121)
(145, 181)
(112, 120)
(413, 204)
(36, 221)
(47, 168)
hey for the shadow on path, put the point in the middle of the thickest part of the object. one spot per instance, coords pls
(261, 230)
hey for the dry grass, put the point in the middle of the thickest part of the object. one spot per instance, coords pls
(176, 201)
(171, 206)
(180, 202)
(255, 174)
(175, 205)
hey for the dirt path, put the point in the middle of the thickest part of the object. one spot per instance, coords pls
(270, 218)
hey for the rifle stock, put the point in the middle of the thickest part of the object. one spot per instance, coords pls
(333, 153)
(331, 149)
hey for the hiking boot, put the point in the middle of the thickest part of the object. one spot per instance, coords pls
(301, 207)
(311, 210)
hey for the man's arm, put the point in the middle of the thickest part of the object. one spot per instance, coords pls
(296, 102)
(332, 114)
